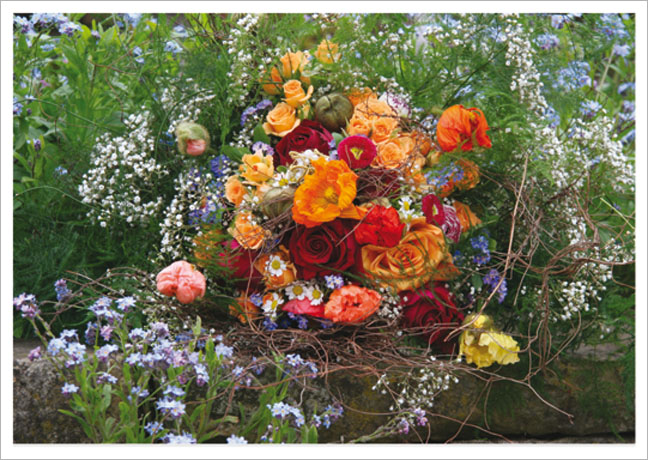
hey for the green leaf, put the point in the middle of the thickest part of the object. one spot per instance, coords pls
(196, 412)
(234, 153)
(312, 435)
(106, 397)
(260, 135)
(338, 138)
(86, 428)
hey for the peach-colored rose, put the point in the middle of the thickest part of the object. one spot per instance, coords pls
(358, 125)
(393, 153)
(327, 52)
(374, 109)
(467, 218)
(281, 120)
(181, 279)
(272, 82)
(351, 304)
(234, 190)
(357, 96)
(256, 168)
(294, 93)
(383, 128)
(292, 63)
(413, 262)
(247, 233)
(275, 281)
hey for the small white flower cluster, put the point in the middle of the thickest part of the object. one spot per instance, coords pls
(238, 47)
(419, 389)
(122, 175)
(188, 110)
(391, 307)
(190, 187)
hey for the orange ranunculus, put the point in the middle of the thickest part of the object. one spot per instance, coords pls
(281, 120)
(358, 125)
(360, 95)
(459, 127)
(294, 93)
(292, 63)
(467, 218)
(470, 174)
(394, 153)
(383, 129)
(257, 168)
(206, 245)
(327, 52)
(247, 233)
(272, 82)
(244, 310)
(326, 194)
(277, 269)
(234, 190)
(413, 262)
(351, 304)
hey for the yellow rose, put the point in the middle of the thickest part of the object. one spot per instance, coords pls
(419, 257)
(271, 83)
(257, 168)
(294, 93)
(374, 108)
(357, 96)
(248, 234)
(327, 52)
(393, 153)
(358, 125)
(234, 190)
(281, 120)
(292, 63)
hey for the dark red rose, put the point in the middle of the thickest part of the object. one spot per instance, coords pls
(451, 225)
(240, 261)
(309, 135)
(358, 151)
(376, 183)
(381, 226)
(434, 313)
(433, 210)
(323, 245)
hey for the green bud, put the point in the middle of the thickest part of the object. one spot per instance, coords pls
(333, 111)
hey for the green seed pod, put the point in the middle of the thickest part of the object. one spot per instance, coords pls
(192, 138)
(277, 200)
(333, 111)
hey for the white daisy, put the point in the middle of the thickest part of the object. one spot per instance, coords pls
(316, 295)
(297, 291)
(271, 305)
(275, 266)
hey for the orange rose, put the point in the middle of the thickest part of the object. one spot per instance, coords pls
(277, 269)
(234, 190)
(374, 109)
(281, 120)
(326, 194)
(467, 218)
(357, 96)
(294, 93)
(244, 310)
(422, 142)
(272, 82)
(351, 304)
(358, 125)
(327, 52)
(394, 153)
(383, 129)
(413, 262)
(460, 127)
(248, 234)
(292, 63)
(257, 168)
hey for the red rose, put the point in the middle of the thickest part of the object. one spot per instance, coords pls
(376, 183)
(433, 210)
(434, 313)
(358, 151)
(331, 244)
(381, 226)
(309, 135)
(240, 261)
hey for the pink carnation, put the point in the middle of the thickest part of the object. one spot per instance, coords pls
(304, 307)
(182, 280)
(451, 226)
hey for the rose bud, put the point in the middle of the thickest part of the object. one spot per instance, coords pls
(333, 111)
(193, 139)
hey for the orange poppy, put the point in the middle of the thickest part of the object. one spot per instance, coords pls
(460, 127)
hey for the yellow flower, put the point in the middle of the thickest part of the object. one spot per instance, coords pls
(327, 52)
(257, 168)
(485, 347)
